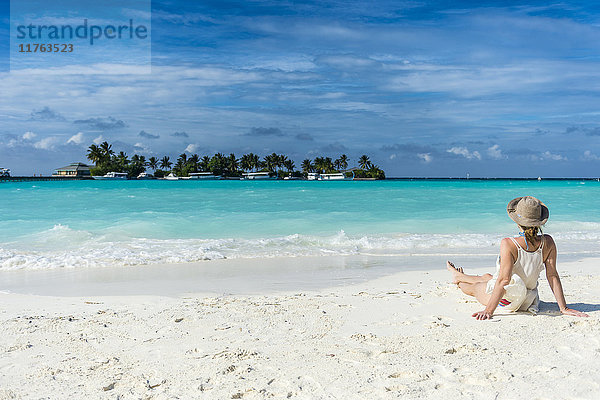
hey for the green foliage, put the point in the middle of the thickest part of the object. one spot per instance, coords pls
(159, 173)
(373, 172)
(229, 166)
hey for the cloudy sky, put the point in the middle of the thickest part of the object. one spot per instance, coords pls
(424, 88)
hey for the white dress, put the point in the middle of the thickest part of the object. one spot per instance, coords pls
(521, 293)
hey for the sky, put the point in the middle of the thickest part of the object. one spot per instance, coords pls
(445, 88)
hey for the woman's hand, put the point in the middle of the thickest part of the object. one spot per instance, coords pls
(483, 315)
(575, 313)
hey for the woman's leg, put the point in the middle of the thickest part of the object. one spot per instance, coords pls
(472, 285)
(459, 276)
(476, 290)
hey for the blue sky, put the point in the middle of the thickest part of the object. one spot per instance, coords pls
(424, 88)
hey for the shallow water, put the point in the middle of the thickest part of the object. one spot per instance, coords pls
(116, 223)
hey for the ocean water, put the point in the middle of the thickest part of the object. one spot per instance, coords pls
(127, 223)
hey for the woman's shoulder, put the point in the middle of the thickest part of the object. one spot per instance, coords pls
(508, 243)
(548, 240)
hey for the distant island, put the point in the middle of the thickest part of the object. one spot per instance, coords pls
(276, 165)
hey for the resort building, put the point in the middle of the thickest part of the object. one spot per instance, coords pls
(73, 170)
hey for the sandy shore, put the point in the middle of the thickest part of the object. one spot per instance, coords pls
(407, 335)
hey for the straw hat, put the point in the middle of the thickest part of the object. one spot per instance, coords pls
(528, 211)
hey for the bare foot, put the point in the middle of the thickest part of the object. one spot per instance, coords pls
(456, 272)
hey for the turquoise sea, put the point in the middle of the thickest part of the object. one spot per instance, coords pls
(106, 223)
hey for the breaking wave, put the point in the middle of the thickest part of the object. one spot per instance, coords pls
(63, 247)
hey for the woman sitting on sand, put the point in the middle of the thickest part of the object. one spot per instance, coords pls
(518, 267)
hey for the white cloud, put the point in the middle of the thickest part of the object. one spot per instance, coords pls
(392, 156)
(467, 81)
(29, 135)
(46, 143)
(555, 157)
(141, 148)
(426, 157)
(589, 156)
(191, 148)
(495, 152)
(99, 139)
(76, 139)
(463, 151)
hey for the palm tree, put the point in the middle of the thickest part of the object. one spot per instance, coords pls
(178, 167)
(281, 159)
(364, 162)
(203, 164)
(375, 172)
(193, 162)
(246, 162)
(289, 165)
(217, 164)
(122, 158)
(95, 154)
(183, 158)
(328, 165)
(232, 163)
(343, 161)
(153, 163)
(139, 160)
(107, 150)
(165, 163)
(307, 166)
(271, 162)
(254, 161)
(122, 161)
(319, 164)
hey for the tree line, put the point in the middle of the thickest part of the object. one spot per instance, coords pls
(107, 160)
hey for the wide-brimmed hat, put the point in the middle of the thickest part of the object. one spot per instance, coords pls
(528, 211)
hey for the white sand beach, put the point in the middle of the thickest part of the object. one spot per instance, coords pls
(406, 335)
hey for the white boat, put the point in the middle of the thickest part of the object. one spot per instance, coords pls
(291, 178)
(112, 176)
(257, 175)
(312, 176)
(171, 177)
(145, 175)
(204, 176)
(338, 176)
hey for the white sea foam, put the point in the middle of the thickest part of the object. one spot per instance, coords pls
(62, 247)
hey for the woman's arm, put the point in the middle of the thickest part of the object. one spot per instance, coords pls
(554, 280)
(507, 260)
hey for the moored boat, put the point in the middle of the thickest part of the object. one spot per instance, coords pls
(145, 175)
(112, 176)
(204, 176)
(338, 176)
(257, 175)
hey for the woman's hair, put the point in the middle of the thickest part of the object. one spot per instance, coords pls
(531, 232)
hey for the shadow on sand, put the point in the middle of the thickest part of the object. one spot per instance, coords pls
(547, 308)
(550, 309)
